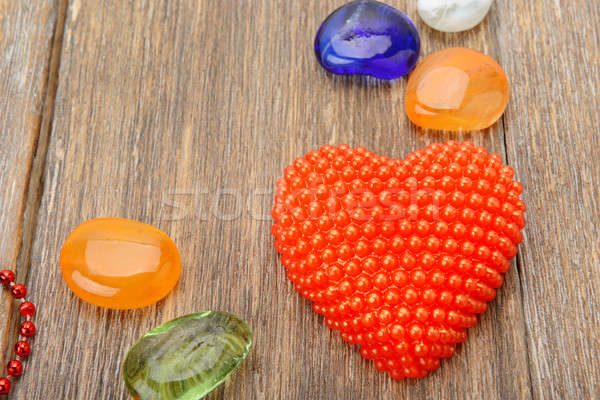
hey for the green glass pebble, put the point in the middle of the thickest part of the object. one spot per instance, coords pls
(188, 357)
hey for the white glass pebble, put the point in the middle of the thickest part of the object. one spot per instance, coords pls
(453, 15)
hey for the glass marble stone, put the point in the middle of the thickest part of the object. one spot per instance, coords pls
(188, 357)
(453, 15)
(365, 37)
(456, 89)
(120, 264)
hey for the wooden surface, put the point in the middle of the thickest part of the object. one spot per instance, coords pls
(182, 114)
(26, 40)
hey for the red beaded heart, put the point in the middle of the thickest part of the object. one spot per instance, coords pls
(399, 255)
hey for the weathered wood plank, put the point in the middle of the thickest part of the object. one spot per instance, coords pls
(182, 115)
(26, 33)
(552, 53)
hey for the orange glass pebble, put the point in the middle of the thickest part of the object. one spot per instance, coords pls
(120, 264)
(456, 89)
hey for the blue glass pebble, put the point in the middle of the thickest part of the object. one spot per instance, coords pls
(366, 37)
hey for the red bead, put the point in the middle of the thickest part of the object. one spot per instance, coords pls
(18, 291)
(14, 368)
(27, 329)
(27, 309)
(4, 386)
(399, 255)
(6, 277)
(22, 349)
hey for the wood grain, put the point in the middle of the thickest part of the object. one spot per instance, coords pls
(552, 126)
(26, 34)
(182, 114)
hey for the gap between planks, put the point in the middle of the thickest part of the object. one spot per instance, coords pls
(520, 278)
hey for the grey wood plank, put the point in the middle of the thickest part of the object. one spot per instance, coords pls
(26, 37)
(552, 53)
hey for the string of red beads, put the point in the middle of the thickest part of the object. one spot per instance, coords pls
(26, 330)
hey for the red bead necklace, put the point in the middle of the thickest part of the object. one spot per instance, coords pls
(26, 330)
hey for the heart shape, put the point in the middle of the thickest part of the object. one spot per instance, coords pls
(399, 256)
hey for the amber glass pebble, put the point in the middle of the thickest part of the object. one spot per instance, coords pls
(456, 89)
(119, 263)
